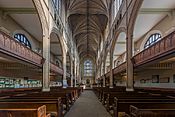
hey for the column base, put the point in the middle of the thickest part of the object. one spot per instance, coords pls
(111, 87)
(45, 89)
(129, 89)
(104, 86)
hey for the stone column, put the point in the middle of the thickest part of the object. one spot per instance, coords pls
(75, 79)
(104, 78)
(46, 64)
(64, 69)
(100, 74)
(111, 71)
(103, 74)
(71, 73)
(129, 68)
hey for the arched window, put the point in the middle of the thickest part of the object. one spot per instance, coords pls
(22, 39)
(88, 68)
(152, 39)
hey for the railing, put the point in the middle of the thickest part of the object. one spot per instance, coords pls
(107, 74)
(162, 48)
(55, 68)
(11, 47)
(120, 68)
(68, 74)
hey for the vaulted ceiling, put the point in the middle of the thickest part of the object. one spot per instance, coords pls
(88, 20)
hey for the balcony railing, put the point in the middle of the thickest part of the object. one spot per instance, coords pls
(68, 74)
(120, 68)
(162, 48)
(107, 75)
(56, 69)
(165, 46)
(11, 47)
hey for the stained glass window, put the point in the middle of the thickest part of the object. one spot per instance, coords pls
(88, 68)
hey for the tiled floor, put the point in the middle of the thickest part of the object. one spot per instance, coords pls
(87, 106)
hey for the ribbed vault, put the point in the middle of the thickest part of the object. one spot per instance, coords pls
(88, 20)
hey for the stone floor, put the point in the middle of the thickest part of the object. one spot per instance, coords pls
(87, 106)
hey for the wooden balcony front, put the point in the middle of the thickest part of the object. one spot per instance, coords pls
(120, 68)
(162, 48)
(12, 48)
(56, 69)
(107, 75)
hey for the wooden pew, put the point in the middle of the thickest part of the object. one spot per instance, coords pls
(156, 110)
(109, 100)
(76, 90)
(33, 96)
(124, 99)
(23, 112)
(103, 91)
(65, 97)
(5, 93)
(122, 105)
(52, 105)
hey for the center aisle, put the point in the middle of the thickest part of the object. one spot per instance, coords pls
(87, 106)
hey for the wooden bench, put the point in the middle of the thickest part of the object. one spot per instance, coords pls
(65, 97)
(23, 112)
(52, 105)
(109, 100)
(123, 105)
(5, 93)
(76, 90)
(156, 110)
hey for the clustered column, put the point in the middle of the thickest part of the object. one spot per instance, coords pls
(72, 73)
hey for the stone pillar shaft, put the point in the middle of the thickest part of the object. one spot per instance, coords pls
(75, 79)
(104, 83)
(46, 64)
(72, 74)
(129, 68)
(64, 66)
(111, 71)
(103, 75)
